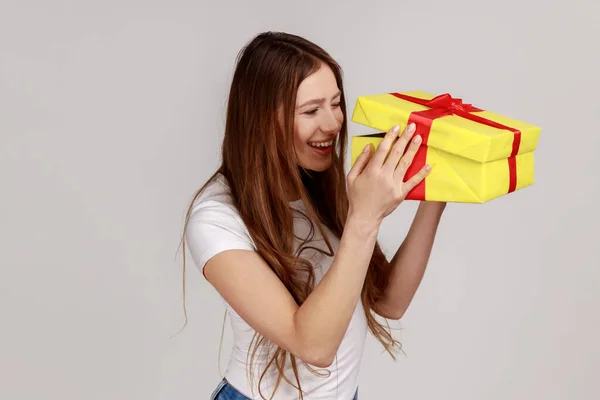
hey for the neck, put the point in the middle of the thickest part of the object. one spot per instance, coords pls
(308, 181)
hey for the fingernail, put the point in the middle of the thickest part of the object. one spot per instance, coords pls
(417, 139)
(366, 149)
(428, 168)
(396, 128)
(411, 128)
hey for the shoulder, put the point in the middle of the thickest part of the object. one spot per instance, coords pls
(215, 198)
(215, 224)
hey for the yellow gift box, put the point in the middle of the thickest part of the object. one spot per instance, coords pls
(476, 155)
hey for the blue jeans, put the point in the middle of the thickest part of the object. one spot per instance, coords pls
(225, 391)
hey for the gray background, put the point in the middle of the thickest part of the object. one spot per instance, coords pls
(112, 116)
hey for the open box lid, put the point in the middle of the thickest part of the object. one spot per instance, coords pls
(451, 131)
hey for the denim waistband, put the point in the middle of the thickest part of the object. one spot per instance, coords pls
(225, 391)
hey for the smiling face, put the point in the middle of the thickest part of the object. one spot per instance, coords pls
(318, 119)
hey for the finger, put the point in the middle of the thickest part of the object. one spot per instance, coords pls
(407, 158)
(398, 148)
(385, 146)
(359, 165)
(417, 178)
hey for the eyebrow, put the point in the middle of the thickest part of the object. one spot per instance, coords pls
(319, 101)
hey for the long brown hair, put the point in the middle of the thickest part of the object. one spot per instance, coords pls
(260, 165)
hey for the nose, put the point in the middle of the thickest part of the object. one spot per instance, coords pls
(330, 123)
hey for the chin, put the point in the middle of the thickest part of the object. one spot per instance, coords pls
(319, 166)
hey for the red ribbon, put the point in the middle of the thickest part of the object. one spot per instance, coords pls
(441, 106)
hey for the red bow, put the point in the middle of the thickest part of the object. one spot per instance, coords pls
(447, 102)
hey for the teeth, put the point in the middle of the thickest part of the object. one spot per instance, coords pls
(321, 144)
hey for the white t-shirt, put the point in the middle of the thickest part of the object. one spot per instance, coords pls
(216, 226)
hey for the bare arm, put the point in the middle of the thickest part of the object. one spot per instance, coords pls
(314, 331)
(410, 261)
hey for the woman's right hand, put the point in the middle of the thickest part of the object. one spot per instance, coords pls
(375, 184)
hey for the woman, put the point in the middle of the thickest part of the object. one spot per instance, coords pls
(302, 296)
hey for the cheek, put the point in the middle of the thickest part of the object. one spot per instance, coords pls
(303, 130)
(340, 116)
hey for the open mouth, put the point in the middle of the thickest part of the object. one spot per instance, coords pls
(322, 148)
(321, 145)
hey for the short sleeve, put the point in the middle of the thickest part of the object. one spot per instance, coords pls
(215, 227)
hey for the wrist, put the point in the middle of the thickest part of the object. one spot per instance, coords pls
(364, 226)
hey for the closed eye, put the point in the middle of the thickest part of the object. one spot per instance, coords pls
(315, 110)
